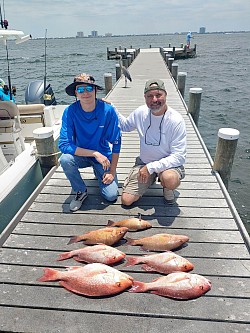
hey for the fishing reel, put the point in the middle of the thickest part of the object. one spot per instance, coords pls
(6, 90)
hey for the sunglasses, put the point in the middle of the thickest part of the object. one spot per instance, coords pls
(81, 89)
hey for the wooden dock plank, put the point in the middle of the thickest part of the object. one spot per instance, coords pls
(216, 246)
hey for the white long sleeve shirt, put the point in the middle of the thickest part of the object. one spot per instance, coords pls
(162, 138)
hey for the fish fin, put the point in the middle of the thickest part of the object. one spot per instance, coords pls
(69, 287)
(49, 274)
(72, 268)
(144, 248)
(130, 241)
(76, 258)
(138, 287)
(131, 261)
(147, 268)
(63, 256)
(110, 223)
(74, 239)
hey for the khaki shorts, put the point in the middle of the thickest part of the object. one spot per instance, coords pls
(133, 186)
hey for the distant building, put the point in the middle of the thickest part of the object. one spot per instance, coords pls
(94, 33)
(79, 34)
(202, 30)
(108, 34)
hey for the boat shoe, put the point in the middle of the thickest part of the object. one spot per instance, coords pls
(77, 202)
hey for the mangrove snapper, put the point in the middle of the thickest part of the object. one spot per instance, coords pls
(108, 236)
(159, 242)
(133, 224)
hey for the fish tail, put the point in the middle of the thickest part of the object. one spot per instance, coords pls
(74, 239)
(130, 241)
(131, 261)
(138, 287)
(49, 274)
(63, 256)
(110, 223)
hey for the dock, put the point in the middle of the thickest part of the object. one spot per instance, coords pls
(181, 52)
(218, 245)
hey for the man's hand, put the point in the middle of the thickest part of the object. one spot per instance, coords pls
(143, 175)
(108, 177)
(103, 160)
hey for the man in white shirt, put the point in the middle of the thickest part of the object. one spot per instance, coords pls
(162, 135)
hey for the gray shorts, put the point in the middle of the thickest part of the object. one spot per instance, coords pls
(133, 186)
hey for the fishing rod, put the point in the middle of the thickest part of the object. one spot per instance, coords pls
(8, 70)
(45, 63)
(1, 16)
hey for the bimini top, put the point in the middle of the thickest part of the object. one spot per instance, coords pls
(13, 34)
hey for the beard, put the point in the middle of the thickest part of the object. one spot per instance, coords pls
(156, 108)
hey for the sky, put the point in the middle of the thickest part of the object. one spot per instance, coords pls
(64, 18)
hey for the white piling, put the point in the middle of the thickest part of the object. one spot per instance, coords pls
(181, 82)
(175, 71)
(194, 103)
(108, 82)
(225, 151)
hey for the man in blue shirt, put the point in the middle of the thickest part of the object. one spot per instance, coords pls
(188, 39)
(4, 92)
(89, 127)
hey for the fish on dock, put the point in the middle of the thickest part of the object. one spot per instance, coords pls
(166, 262)
(99, 253)
(90, 280)
(178, 285)
(108, 236)
(133, 224)
(159, 242)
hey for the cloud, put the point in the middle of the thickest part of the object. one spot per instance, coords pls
(64, 18)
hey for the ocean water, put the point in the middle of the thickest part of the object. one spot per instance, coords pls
(221, 69)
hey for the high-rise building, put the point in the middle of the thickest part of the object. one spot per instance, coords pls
(202, 30)
(79, 34)
(94, 33)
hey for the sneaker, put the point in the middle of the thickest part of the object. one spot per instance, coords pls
(169, 196)
(76, 203)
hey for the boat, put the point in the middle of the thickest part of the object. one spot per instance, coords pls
(20, 172)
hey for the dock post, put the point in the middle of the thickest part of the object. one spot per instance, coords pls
(181, 82)
(170, 62)
(129, 57)
(175, 71)
(118, 71)
(108, 82)
(166, 57)
(225, 151)
(194, 103)
(46, 150)
(173, 52)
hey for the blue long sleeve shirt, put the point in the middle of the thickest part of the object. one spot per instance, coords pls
(94, 130)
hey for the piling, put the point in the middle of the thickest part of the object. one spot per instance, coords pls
(46, 149)
(181, 82)
(108, 82)
(170, 62)
(225, 151)
(129, 57)
(118, 71)
(175, 71)
(194, 103)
